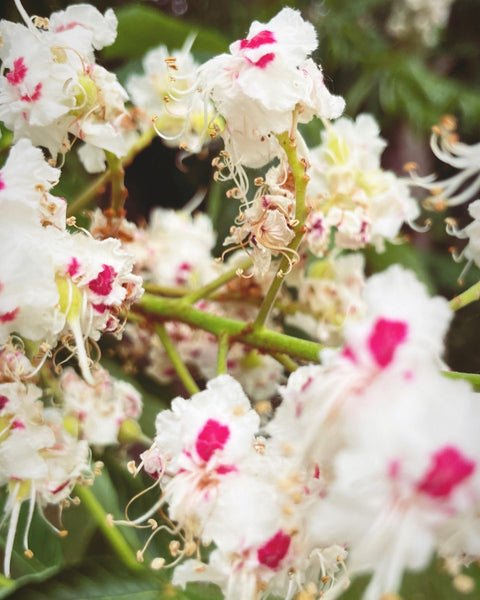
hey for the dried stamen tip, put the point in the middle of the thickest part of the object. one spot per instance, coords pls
(410, 166)
(184, 146)
(440, 205)
(157, 563)
(449, 122)
(109, 520)
(436, 129)
(453, 138)
(63, 533)
(450, 221)
(41, 23)
(174, 547)
(239, 272)
(71, 221)
(153, 524)
(258, 181)
(263, 407)
(28, 553)
(131, 467)
(139, 556)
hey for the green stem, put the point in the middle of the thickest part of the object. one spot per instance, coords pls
(223, 341)
(286, 361)
(163, 290)
(261, 338)
(117, 180)
(101, 181)
(298, 167)
(466, 297)
(117, 541)
(176, 359)
(209, 288)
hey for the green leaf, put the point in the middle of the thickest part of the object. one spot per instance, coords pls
(141, 28)
(105, 581)
(404, 254)
(432, 584)
(473, 378)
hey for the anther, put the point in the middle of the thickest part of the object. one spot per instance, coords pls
(157, 563)
(174, 547)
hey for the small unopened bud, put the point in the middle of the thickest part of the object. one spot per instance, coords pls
(130, 432)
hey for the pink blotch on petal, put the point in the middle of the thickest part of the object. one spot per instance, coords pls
(225, 469)
(349, 354)
(103, 282)
(100, 308)
(262, 62)
(9, 316)
(2, 183)
(386, 336)
(271, 553)
(61, 487)
(262, 38)
(211, 438)
(73, 266)
(3, 402)
(68, 26)
(37, 94)
(448, 469)
(18, 425)
(18, 73)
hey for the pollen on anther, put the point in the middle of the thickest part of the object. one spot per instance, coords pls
(157, 563)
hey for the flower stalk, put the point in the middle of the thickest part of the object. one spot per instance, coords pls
(176, 359)
(115, 538)
(261, 338)
(466, 297)
(99, 183)
(299, 168)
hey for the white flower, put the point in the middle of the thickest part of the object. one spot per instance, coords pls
(51, 88)
(28, 293)
(464, 185)
(32, 185)
(350, 193)
(99, 409)
(39, 461)
(265, 78)
(329, 293)
(199, 443)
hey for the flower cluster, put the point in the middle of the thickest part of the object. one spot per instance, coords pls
(335, 468)
(51, 89)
